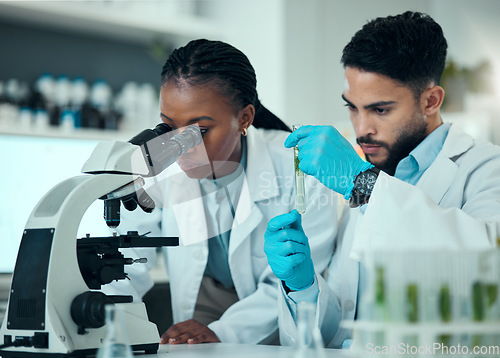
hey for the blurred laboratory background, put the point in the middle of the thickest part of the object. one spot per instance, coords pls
(73, 73)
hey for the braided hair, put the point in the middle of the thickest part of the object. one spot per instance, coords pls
(225, 68)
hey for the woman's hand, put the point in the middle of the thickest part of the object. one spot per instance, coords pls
(190, 331)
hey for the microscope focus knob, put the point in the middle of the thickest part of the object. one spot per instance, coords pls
(87, 309)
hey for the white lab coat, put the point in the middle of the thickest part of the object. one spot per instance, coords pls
(269, 190)
(455, 204)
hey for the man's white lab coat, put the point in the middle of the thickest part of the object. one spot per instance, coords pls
(455, 204)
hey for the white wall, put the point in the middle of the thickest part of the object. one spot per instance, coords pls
(31, 167)
(296, 45)
(306, 62)
(317, 31)
(256, 27)
(472, 31)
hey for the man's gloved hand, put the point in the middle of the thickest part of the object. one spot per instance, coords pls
(326, 155)
(288, 252)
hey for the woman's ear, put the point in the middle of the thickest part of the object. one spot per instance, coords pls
(432, 100)
(246, 116)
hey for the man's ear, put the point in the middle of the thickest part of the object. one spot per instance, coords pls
(246, 116)
(432, 100)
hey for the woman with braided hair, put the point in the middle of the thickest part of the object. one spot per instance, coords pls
(219, 197)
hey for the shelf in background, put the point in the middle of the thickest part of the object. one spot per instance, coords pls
(81, 133)
(133, 21)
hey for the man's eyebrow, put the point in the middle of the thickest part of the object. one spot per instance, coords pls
(348, 102)
(191, 121)
(371, 105)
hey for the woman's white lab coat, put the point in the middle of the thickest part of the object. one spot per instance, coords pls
(455, 204)
(268, 190)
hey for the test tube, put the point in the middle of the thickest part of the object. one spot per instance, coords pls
(299, 179)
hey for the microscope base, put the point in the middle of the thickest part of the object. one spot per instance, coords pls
(150, 348)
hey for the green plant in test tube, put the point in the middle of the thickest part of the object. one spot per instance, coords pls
(379, 286)
(477, 308)
(445, 310)
(491, 294)
(484, 297)
(299, 179)
(296, 160)
(477, 302)
(380, 293)
(412, 296)
(445, 303)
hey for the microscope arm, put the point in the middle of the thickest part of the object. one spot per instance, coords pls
(47, 277)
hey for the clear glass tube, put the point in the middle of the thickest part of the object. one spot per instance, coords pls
(299, 179)
(309, 343)
(116, 344)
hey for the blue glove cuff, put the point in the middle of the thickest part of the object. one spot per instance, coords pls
(291, 288)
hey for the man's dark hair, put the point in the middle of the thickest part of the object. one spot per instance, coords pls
(409, 48)
(226, 69)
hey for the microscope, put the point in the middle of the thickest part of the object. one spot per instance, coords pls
(55, 308)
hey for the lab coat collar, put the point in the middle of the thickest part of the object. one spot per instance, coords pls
(456, 143)
(263, 183)
(260, 184)
(438, 178)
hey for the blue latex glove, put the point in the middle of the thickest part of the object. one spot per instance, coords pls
(288, 252)
(326, 155)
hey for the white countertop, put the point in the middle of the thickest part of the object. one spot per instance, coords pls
(216, 350)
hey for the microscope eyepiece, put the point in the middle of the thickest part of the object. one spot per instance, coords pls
(161, 151)
(148, 134)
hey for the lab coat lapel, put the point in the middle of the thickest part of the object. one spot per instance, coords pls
(262, 180)
(259, 184)
(444, 167)
(186, 201)
(247, 218)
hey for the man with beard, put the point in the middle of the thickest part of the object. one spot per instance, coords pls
(424, 184)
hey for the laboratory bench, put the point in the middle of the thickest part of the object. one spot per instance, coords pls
(230, 350)
(207, 350)
(216, 350)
